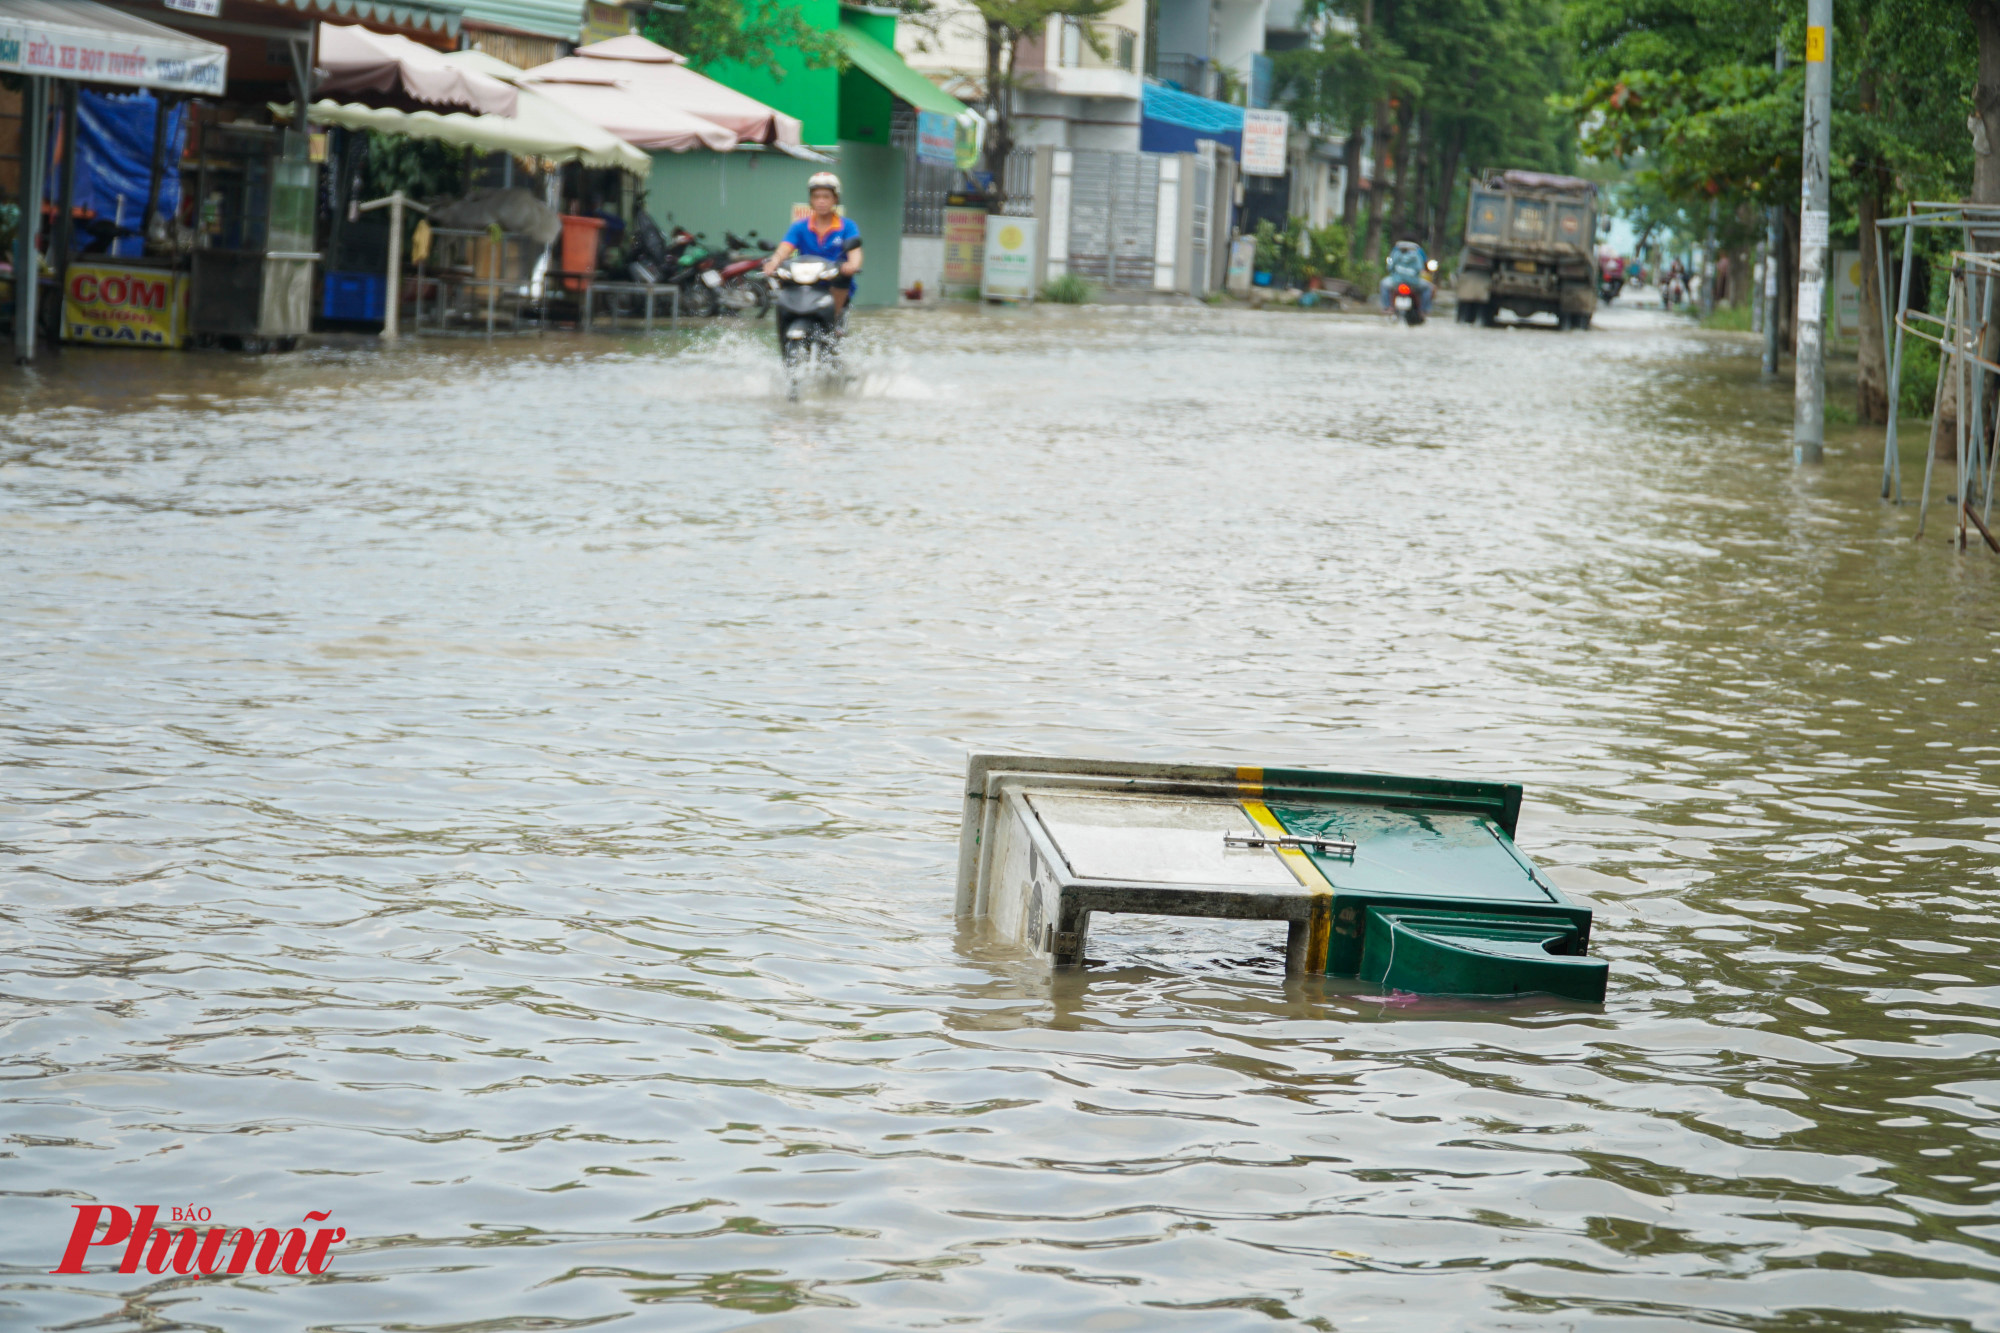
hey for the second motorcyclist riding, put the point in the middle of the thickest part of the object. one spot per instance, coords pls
(1406, 287)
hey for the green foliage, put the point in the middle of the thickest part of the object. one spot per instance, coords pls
(1299, 253)
(1728, 318)
(1067, 289)
(1230, 87)
(421, 168)
(709, 32)
(1684, 92)
(1917, 394)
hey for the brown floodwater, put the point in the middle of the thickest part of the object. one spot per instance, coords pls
(506, 796)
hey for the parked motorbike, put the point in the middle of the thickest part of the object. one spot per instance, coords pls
(679, 260)
(809, 329)
(697, 273)
(743, 288)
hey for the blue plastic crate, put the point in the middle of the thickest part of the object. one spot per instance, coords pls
(355, 296)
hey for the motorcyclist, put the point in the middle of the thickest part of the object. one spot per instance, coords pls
(824, 234)
(1407, 263)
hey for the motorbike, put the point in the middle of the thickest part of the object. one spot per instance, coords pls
(1611, 279)
(809, 329)
(680, 261)
(1406, 302)
(743, 288)
(699, 276)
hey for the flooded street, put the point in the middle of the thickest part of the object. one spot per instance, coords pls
(508, 797)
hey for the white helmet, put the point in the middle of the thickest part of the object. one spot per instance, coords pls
(824, 180)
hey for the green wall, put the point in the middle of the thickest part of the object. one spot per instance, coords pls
(871, 178)
(865, 105)
(813, 95)
(745, 191)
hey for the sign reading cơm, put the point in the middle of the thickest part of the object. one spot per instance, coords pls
(117, 305)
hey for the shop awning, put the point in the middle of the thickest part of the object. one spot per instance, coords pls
(93, 43)
(351, 59)
(652, 77)
(639, 121)
(532, 133)
(883, 65)
(539, 128)
(434, 15)
(1171, 121)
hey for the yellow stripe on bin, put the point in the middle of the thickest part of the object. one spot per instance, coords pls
(1319, 925)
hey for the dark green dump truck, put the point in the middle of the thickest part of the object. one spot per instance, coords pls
(1528, 248)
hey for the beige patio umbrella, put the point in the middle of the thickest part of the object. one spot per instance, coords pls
(660, 80)
(351, 59)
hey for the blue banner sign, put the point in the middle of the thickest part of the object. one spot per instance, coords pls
(937, 138)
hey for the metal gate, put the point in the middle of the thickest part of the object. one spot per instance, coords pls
(1113, 216)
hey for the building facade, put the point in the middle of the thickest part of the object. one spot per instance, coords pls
(1071, 91)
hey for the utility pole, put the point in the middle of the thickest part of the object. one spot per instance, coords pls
(1774, 249)
(1809, 389)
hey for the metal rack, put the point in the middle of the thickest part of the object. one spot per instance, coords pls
(477, 277)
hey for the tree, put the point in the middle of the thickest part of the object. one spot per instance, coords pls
(709, 32)
(1443, 87)
(1008, 23)
(1686, 89)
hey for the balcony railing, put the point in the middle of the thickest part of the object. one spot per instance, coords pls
(1074, 50)
(1188, 73)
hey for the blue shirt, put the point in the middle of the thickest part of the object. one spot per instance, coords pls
(832, 247)
(1407, 261)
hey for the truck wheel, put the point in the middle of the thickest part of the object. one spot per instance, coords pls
(1489, 314)
(1468, 312)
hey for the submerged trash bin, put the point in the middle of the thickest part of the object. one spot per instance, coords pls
(1412, 883)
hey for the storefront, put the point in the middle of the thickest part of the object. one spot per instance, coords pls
(58, 51)
(245, 234)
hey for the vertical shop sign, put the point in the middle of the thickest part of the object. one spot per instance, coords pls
(1009, 262)
(1264, 134)
(964, 247)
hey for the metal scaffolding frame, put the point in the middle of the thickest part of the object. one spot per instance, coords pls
(1960, 336)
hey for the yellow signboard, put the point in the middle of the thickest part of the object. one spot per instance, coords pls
(964, 247)
(122, 305)
(1815, 45)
